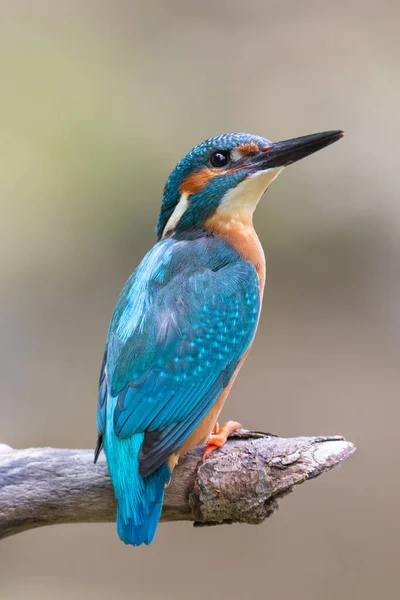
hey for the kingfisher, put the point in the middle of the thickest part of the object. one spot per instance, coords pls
(185, 320)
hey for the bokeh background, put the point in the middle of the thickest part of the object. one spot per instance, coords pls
(99, 99)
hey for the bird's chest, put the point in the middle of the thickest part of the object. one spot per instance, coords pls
(241, 236)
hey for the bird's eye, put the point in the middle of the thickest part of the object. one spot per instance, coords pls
(219, 159)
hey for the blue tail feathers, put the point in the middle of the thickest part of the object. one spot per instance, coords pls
(139, 526)
(139, 499)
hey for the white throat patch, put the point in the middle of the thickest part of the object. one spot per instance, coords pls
(242, 200)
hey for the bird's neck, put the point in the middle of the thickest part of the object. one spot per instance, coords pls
(238, 231)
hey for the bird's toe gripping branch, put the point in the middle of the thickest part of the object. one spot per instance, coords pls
(219, 437)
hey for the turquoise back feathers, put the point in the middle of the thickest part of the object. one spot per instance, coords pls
(180, 327)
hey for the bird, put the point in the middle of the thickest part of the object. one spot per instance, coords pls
(185, 320)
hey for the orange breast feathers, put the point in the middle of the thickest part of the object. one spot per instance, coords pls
(238, 231)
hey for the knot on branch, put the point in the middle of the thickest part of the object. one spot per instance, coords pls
(245, 480)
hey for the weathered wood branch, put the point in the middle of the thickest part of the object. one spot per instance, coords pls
(240, 482)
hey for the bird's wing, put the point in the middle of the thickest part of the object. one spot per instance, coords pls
(173, 346)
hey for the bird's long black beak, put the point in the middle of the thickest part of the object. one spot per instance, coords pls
(281, 154)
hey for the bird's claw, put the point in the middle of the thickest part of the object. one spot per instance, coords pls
(219, 437)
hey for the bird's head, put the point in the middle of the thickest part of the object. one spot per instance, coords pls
(227, 175)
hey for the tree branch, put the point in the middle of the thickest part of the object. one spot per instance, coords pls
(240, 482)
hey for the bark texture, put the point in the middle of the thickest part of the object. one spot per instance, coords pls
(241, 482)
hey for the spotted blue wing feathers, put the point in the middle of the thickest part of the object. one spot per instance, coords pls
(159, 444)
(181, 325)
(207, 331)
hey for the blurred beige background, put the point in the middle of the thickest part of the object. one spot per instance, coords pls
(99, 99)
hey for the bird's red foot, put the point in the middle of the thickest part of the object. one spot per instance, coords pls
(219, 437)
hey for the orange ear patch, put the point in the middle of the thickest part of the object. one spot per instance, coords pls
(195, 182)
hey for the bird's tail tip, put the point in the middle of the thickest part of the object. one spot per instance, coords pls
(139, 528)
(136, 535)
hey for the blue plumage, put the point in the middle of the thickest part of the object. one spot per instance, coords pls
(183, 321)
(186, 318)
